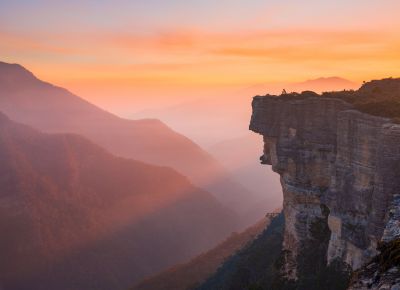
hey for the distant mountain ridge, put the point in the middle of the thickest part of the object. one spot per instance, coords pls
(52, 109)
(331, 83)
(73, 216)
(318, 85)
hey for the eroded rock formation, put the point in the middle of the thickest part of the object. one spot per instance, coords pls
(338, 167)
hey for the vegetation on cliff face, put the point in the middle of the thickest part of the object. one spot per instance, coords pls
(313, 271)
(379, 97)
(258, 266)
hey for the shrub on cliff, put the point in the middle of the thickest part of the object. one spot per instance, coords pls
(378, 98)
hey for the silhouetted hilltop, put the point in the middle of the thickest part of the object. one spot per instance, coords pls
(9, 73)
(324, 84)
(73, 216)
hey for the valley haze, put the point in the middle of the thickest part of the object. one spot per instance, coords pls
(199, 145)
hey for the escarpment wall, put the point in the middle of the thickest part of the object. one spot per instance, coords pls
(336, 165)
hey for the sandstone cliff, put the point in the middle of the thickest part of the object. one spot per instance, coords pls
(339, 168)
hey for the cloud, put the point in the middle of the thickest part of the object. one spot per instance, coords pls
(186, 55)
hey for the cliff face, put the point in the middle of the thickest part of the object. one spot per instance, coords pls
(383, 272)
(338, 167)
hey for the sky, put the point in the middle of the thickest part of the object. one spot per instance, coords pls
(126, 55)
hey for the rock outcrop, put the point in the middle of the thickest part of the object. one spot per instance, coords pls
(338, 166)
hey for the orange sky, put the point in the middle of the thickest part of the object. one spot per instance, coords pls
(119, 57)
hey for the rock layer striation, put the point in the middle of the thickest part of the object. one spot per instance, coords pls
(337, 165)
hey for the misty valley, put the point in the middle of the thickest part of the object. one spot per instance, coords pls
(93, 201)
(199, 145)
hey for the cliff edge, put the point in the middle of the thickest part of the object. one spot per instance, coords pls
(340, 170)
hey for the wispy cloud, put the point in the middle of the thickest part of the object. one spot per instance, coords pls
(184, 56)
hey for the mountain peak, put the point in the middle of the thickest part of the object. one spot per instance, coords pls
(11, 72)
(6, 64)
(329, 80)
(321, 84)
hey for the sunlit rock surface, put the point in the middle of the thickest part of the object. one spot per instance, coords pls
(336, 164)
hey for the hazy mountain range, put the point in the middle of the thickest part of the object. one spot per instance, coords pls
(73, 216)
(52, 109)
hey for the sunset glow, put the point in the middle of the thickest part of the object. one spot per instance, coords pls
(199, 144)
(163, 50)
